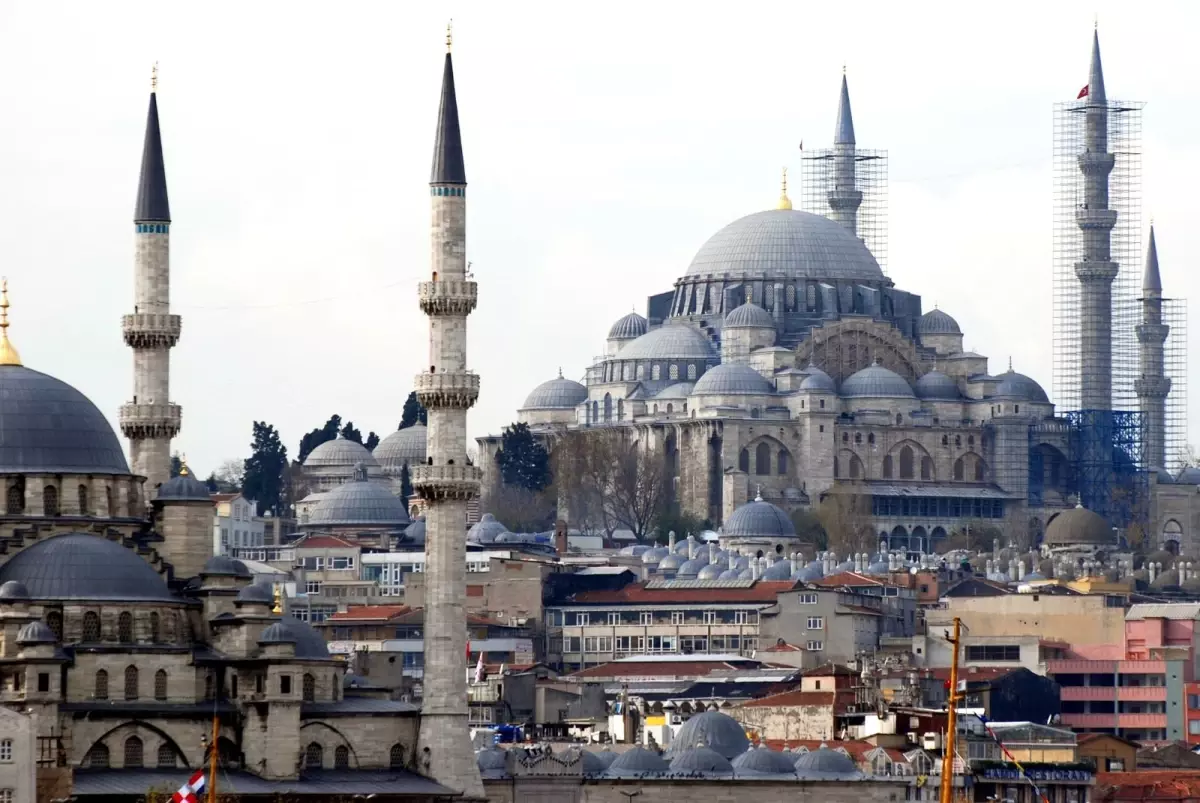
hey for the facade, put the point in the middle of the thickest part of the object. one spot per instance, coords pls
(236, 524)
(18, 756)
(834, 624)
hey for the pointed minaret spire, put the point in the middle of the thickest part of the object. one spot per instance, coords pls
(1151, 279)
(152, 205)
(447, 147)
(843, 133)
(1096, 73)
(1153, 385)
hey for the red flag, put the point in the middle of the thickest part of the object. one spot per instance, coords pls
(468, 651)
(1083, 93)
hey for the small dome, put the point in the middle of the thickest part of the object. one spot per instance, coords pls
(779, 570)
(223, 565)
(557, 394)
(764, 761)
(491, 762)
(759, 519)
(78, 566)
(749, 316)
(713, 729)
(403, 446)
(672, 341)
(607, 755)
(486, 529)
(36, 633)
(680, 390)
(936, 385)
(875, 381)
(824, 762)
(817, 381)
(712, 571)
(701, 759)
(1018, 386)
(592, 763)
(184, 488)
(290, 630)
(936, 322)
(672, 562)
(732, 379)
(1189, 476)
(692, 567)
(1163, 477)
(340, 452)
(415, 532)
(636, 761)
(256, 594)
(1078, 526)
(1168, 579)
(359, 503)
(628, 327)
(14, 591)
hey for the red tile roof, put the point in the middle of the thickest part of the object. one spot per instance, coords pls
(829, 669)
(324, 542)
(792, 698)
(218, 498)
(785, 647)
(638, 594)
(367, 613)
(1140, 785)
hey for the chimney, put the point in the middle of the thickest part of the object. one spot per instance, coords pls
(732, 559)
(1012, 570)
(691, 547)
(1021, 569)
(671, 541)
(560, 537)
(712, 552)
(753, 568)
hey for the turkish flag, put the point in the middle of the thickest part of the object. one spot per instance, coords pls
(1083, 93)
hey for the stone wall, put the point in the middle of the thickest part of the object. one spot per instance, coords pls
(709, 790)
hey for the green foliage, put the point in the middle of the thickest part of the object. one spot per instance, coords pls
(211, 482)
(413, 412)
(522, 460)
(406, 489)
(372, 442)
(351, 433)
(809, 529)
(263, 480)
(679, 523)
(318, 436)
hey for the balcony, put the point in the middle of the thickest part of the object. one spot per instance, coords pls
(1157, 694)
(1142, 721)
(483, 693)
(448, 297)
(436, 483)
(140, 421)
(1080, 667)
(1090, 720)
(1085, 693)
(151, 330)
(449, 390)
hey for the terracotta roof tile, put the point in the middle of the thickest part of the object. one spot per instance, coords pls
(792, 698)
(365, 613)
(324, 542)
(850, 579)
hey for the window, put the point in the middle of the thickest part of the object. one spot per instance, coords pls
(6, 750)
(581, 620)
(160, 685)
(43, 681)
(614, 618)
(166, 756)
(285, 684)
(84, 507)
(133, 752)
(710, 617)
(97, 756)
(210, 686)
(783, 462)
(744, 461)
(309, 688)
(15, 502)
(656, 372)
(50, 500)
(91, 626)
(926, 468)
(906, 463)
(131, 683)
(341, 564)
(125, 627)
(691, 371)
(762, 459)
(341, 758)
(1194, 726)
(314, 564)
(673, 372)
(101, 688)
(6, 796)
(816, 646)
(314, 756)
(54, 622)
(1193, 701)
(312, 587)
(677, 617)
(887, 467)
(646, 618)
(816, 623)
(396, 757)
(994, 652)
(807, 599)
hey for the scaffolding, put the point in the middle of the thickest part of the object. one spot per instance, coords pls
(1124, 197)
(817, 181)
(1175, 436)
(1109, 474)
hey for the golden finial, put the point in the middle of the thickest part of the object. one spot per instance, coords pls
(8, 353)
(278, 599)
(449, 34)
(784, 201)
(183, 469)
(154, 77)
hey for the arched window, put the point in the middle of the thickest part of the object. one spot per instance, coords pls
(84, 506)
(871, 438)
(906, 463)
(692, 371)
(310, 688)
(970, 440)
(958, 440)
(670, 408)
(854, 468)
(945, 440)
(655, 372)
(620, 409)
(50, 500)
(673, 372)
(54, 622)
(131, 683)
(160, 685)
(607, 407)
(314, 756)
(108, 498)
(101, 691)
(783, 461)
(926, 468)
(958, 470)
(97, 756)
(845, 437)
(899, 419)
(16, 497)
(341, 757)
(836, 468)
(979, 470)
(858, 437)
(91, 626)
(396, 757)
(166, 756)
(125, 627)
(641, 371)
(595, 412)
(209, 686)
(887, 467)
(744, 461)
(762, 459)
(334, 685)
(133, 752)
(154, 626)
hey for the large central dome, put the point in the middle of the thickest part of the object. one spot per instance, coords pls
(787, 243)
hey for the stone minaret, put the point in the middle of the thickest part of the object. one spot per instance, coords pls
(150, 420)
(1095, 270)
(447, 482)
(845, 197)
(1153, 385)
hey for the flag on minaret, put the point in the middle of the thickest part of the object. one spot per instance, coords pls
(190, 791)
(1083, 93)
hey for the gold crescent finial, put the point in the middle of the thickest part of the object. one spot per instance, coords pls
(154, 77)
(784, 201)
(278, 607)
(8, 352)
(183, 469)
(449, 34)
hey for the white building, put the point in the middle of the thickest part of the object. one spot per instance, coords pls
(18, 764)
(236, 524)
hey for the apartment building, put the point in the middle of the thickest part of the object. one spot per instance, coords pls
(236, 523)
(838, 622)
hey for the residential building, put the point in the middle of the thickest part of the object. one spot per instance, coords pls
(838, 623)
(1107, 753)
(506, 589)
(236, 523)
(19, 757)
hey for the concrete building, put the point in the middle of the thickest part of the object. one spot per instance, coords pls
(236, 524)
(18, 757)
(833, 624)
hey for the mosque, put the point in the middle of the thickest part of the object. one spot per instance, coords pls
(785, 365)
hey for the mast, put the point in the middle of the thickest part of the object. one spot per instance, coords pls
(947, 790)
(212, 760)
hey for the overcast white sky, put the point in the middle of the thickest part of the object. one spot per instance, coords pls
(604, 143)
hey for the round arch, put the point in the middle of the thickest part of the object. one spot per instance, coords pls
(134, 725)
(344, 741)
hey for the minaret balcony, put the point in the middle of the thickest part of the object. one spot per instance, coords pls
(841, 199)
(1151, 387)
(447, 390)
(436, 483)
(151, 330)
(1152, 332)
(1103, 219)
(1096, 271)
(1096, 163)
(448, 296)
(141, 421)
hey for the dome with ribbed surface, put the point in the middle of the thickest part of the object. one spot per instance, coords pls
(715, 730)
(557, 394)
(256, 594)
(183, 488)
(1018, 386)
(703, 760)
(764, 761)
(290, 630)
(359, 503)
(759, 519)
(403, 446)
(36, 633)
(637, 761)
(936, 322)
(77, 566)
(673, 341)
(749, 316)
(628, 327)
(680, 390)
(1190, 475)
(789, 244)
(49, 427)
(340, 452)
(732, 379)
(817, 381)
(936, 385)
(874, 382)
(826, 763)
(1078, 526)
(224, 566)
(486, 529)
(14, 591)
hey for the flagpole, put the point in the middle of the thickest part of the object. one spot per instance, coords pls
(212, 760)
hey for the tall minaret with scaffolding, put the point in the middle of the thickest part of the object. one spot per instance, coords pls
(1152, 385)
(150, 421)
(447, 482)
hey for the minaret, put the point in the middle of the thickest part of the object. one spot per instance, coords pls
(845, 197)
(447, 481)
(150, 420)
(1095, 270)
(1152, 386)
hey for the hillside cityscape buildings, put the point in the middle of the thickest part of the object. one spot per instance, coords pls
(861, 486)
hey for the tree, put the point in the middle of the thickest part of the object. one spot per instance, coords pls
(211, 482)
(810, 530)
(845, 516)
(263, 479)
(523, 462)
(520, 509)
(413, 412)
(229, 475)
(584, 466)
(638, 494)
(673, 521)
(351, 433)
(372, 442)
(318, 436)
(176, 464)
(406, 489)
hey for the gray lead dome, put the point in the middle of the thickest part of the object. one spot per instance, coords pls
(731, 379)
(759, 519)
(290, 630)
(715, 730)
(628, 327)
(936, 322)
(1018, 386)
(403, 446)
(359, 502)
(669, 341)
(339, 452)
(557, 394)
(936, 385)
(749, 315)
(875, 381)
(76, 566)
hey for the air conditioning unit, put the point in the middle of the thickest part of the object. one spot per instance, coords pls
(932, 741)
(913, 737)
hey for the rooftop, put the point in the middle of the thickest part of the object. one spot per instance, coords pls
(638, 594)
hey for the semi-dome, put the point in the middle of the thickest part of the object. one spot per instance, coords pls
(224, 566)
(826, 763)
(715, 730)
(936, 385)
(732, 379)
(817, 381)
(557, 394)
(786, 243)
(359, 503)
(1018, 386)
(486, 529)
(636, 761)
(628, 327)
(875, 381)
(936, 322)
(680, 390)
(1078, 526)
(672, 341)
(36, 633)
(403, 446)
(290, 630)
(749, 316)
(340, 452)
(759, 519)
(701, 760)
(76, 566)
(415, 532)
(50, 427)
(183, 488)
(764, 761)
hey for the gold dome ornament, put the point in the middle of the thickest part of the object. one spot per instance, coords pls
(784, 201)
(8, 352)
